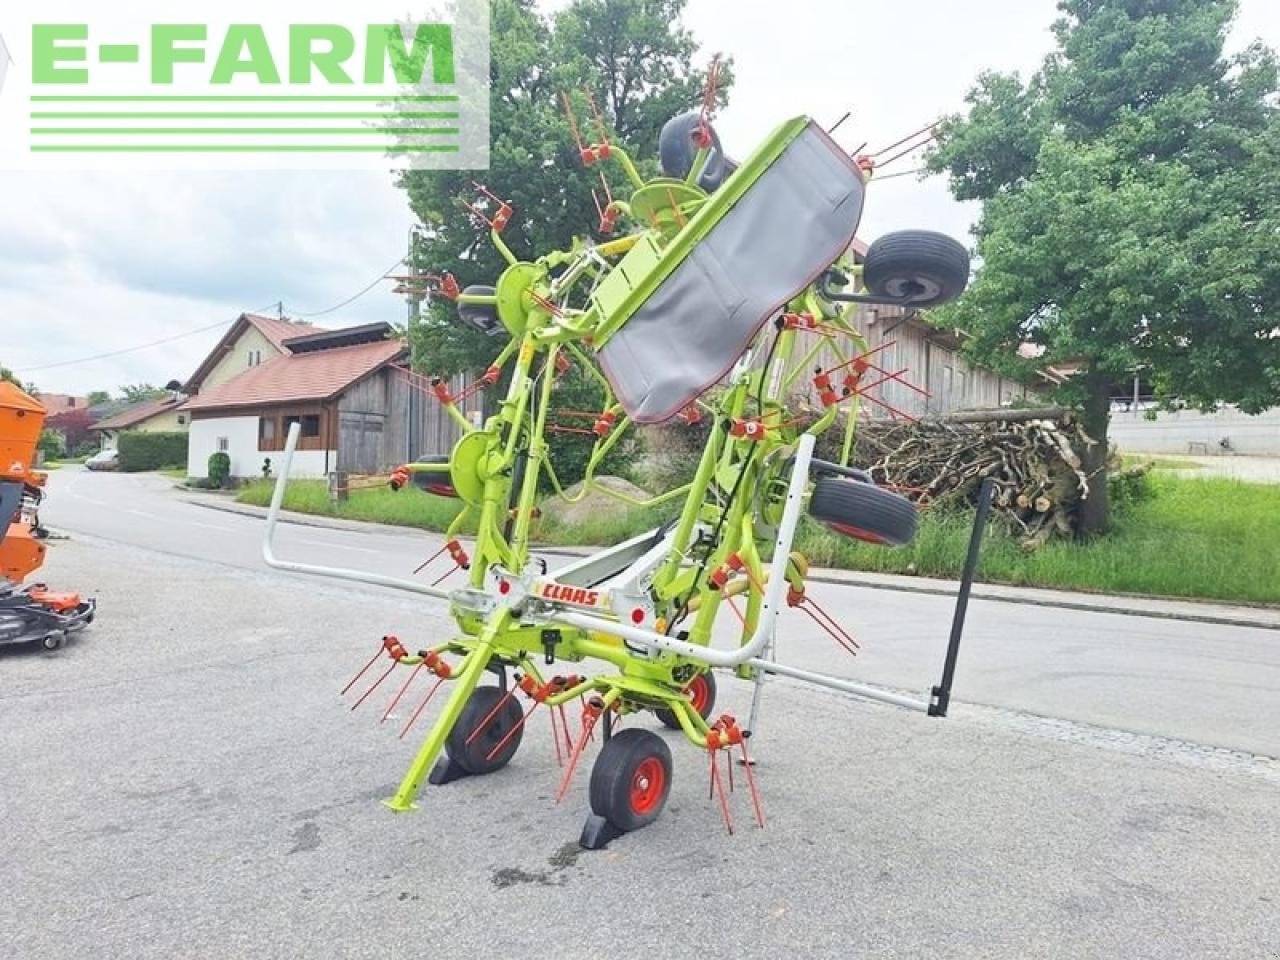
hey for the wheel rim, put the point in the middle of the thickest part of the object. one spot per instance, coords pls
(647, 785)
(699, 693)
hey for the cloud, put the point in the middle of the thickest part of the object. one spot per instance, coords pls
(94, 262)
(91, 263)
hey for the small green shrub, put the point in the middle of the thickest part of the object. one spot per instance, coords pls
(219, 470)
(52, 444)
(141, 450)
(1130, 486)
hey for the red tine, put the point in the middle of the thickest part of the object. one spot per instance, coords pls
(362, 672)
(403, 689)
(422, 706)
(377, 683)
(492, 713)
(555, 737)
(588, 723)
(718, 787)
(751, 785)
(512, 732)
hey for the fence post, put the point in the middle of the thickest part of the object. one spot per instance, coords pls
(337, 487)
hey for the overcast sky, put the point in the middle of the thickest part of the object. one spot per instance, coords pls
(92, 263)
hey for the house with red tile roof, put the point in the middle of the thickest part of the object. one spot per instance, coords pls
(164, 415)
(345, 389)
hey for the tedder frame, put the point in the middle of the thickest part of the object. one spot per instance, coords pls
(643, 611)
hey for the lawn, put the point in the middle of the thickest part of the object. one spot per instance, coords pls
(1158, 463)
(1208, 538)
(1200, 537)
(407, 508)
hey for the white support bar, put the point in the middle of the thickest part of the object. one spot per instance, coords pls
(773, 598)
(839, 683)
(338, 573)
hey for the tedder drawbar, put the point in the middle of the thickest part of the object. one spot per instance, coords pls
(736, 275)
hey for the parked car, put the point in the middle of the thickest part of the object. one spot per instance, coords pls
(104, 460)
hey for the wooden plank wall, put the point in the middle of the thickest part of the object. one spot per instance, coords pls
(932, 362)
(379, 416)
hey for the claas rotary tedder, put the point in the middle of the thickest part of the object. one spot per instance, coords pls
(741, 276)
(29, 613)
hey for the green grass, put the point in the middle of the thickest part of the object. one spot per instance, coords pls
(1206, 538)
(408, 508)
(177, 473)
(604, 529)
(1158, 463)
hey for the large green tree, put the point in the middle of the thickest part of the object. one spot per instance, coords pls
(1130, 217)
(637, 61)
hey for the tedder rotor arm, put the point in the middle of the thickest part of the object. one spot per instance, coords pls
(773, 600)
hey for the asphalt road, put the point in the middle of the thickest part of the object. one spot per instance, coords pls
(183, 781)
(1205, 683)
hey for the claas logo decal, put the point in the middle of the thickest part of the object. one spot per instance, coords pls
(580, 596)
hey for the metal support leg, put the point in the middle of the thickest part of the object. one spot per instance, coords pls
(940, 697)
(473, 667)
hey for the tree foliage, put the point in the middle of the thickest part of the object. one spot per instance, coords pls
(1130, 209)
(637, 61)
(138, 392)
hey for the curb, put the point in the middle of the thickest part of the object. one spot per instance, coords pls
(1105, 603)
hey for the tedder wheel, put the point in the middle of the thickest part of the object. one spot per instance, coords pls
(924, 267)
(863, 511)
(473, 757)
(440, 484)
(702, 696)
(631, 778)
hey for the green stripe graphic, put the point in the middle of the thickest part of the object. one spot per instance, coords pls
(200, 115)
(246, 131)
(223, 148)
(416, 98)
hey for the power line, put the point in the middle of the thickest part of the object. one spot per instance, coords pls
(117, 353)
(354, 297)
(213, 326)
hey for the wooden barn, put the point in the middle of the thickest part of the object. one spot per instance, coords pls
(345, 388)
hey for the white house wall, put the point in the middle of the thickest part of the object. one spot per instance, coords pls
(241, 434)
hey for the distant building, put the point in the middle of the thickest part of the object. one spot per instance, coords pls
(164, 415)
(356, 410)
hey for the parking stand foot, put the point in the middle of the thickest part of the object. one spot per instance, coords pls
(597, 833)
(446, 771)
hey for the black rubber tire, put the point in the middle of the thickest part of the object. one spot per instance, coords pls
(676, 153)
(863, 511)
(436, 484)
(473, 756)
(480, 316)
(929, 268)
(704, 700)
(623, 787)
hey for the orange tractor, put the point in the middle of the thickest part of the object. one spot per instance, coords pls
(32, 612)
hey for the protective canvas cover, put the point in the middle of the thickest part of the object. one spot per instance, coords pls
(793, 223)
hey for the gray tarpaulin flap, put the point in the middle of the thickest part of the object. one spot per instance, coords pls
(793, 223)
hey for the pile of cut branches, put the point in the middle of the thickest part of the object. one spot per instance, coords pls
(1034, 457)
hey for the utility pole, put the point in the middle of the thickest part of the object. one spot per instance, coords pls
(414, 298)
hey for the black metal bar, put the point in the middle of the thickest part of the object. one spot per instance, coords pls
(941, 694)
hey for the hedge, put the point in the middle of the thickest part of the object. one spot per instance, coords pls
(151, 451)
